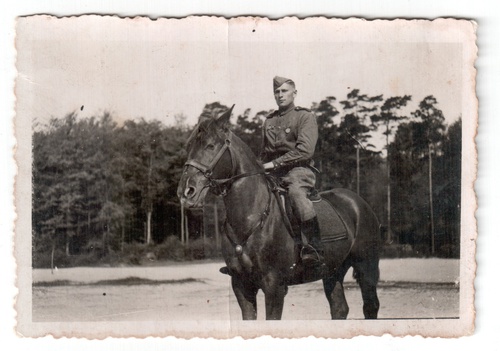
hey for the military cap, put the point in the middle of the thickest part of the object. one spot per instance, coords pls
(279, 81)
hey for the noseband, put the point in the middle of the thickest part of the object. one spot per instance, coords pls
(221, 184)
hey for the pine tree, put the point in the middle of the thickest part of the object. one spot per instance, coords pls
(389, 118)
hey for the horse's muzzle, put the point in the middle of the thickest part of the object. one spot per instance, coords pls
(189, 193)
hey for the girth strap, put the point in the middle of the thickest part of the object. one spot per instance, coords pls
(284, 215)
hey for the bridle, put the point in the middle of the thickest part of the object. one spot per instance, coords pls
(221, 185)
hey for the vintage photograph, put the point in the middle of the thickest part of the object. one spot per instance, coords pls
(180, 177)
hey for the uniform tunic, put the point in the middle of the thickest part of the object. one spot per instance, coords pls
(289, 140)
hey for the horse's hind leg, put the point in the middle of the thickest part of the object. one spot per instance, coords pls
(334, 291)
(371, 304)
(367, 275)
(246, 294)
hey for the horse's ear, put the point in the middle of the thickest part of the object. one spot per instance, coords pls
(223, 120)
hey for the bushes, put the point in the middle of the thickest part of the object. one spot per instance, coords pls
(133, 254)
(397, 251)
(418, 251)
(449, 251)
(42, 259)
(202, 249)
(170, 250)
(173, 250)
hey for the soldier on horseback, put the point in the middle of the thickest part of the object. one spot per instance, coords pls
(289, 139)
(258, 251)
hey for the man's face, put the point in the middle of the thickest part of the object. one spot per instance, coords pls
(284, 95)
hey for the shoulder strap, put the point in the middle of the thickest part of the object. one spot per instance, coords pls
(272, 114)
(298, 108)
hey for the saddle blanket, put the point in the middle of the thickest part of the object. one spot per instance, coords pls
(331, 226)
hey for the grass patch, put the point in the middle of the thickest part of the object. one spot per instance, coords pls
(140, 281)
(129, 281)
(53, 283)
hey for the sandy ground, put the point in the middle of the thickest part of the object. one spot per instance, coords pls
(409, 288)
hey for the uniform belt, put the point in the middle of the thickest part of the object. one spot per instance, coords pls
(287, 168)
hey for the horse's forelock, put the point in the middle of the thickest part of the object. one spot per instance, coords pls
(203, 128)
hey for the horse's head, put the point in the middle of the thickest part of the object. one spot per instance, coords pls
(208, 159)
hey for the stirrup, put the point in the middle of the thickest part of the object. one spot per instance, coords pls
(314, 196)
(310, 257)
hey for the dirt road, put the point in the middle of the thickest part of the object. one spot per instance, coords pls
(408, 289)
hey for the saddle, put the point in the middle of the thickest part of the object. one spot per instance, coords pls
(332, 227)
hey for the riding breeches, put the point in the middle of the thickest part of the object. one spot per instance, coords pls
(300, 181)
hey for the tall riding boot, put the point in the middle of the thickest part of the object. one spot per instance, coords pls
(312, 253)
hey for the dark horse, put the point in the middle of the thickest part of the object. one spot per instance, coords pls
(259, 251)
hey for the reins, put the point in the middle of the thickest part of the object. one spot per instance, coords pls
(223, 184)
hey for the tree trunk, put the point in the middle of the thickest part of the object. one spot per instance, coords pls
(67, 214)
(122, 242)
(431, 205)
(148, 227)
(357, 169)
(150, 200)
(52, 256)
(182, 223)
(67, 245)
(389, 230)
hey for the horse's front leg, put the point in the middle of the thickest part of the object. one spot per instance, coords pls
(274, 292)
(246, 294)
(334, 291)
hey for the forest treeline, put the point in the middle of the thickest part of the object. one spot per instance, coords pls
(104, 192)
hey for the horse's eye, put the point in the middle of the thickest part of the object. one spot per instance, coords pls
(210, 147)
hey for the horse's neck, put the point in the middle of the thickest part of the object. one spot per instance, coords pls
(246, 201)
(248, 196)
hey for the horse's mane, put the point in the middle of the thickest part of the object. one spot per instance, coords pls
(200, 130)
(193, 135)
(247, 150)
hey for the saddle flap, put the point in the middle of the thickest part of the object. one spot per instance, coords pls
(332, 227)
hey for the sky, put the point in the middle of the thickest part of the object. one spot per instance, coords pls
(137, 68)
